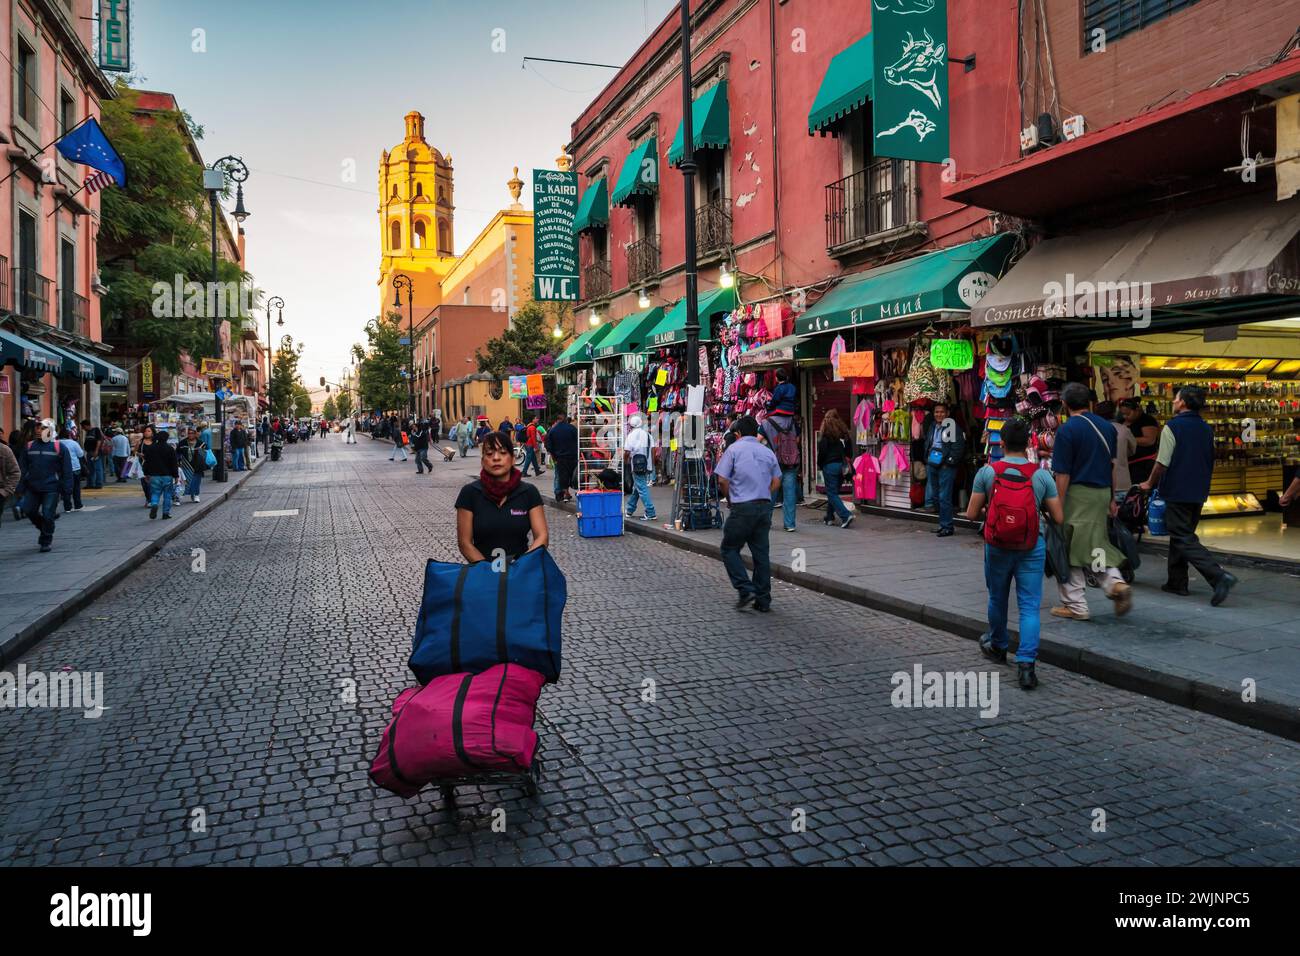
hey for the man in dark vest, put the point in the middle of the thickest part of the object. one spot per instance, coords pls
(1182, 472)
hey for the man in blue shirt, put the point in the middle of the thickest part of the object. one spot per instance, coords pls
(47, 473)
(1001, 564)
(1083, 456)
(748, 476)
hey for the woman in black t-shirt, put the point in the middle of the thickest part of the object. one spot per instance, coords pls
(497, 512)
(1146, 430)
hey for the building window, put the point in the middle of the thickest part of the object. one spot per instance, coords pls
(395, 235)
(419, 189)
(27, 78)
(419, 234)
(1115, 18)
(444, 237)
(67, 112)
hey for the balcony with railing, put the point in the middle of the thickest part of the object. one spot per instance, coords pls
(31, 294)
(642, 260)
(596, 282)
(74, 312)
(867, 204)
(713, 230)
(4, 285)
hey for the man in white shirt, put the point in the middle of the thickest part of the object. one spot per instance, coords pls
(638, 451)
(121, 452)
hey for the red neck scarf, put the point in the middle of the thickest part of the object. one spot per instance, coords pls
(499, 489)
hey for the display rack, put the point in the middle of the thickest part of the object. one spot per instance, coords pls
(601, 423)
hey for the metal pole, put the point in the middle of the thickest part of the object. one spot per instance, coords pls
(219, 471)
(688, 188)
(410, 346)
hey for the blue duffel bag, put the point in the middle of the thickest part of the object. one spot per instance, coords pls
(473, 617)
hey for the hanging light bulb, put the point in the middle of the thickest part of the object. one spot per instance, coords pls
(595, 318)
(727, 279)
(557, 331)
(643, 300)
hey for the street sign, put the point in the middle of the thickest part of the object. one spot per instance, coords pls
(403, 341)
(215, 368)
(909, 103)
(115, 35)
(555, 265)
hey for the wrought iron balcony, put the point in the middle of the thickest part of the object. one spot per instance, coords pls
(642, 260)
(74, 312)
(4, 285)
(31, 294)
(713, 228)
(596, 282)
(871, 201)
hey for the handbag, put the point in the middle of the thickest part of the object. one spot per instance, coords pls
(133, 468)
(1056, 558)
(210, 459)
(935, 457)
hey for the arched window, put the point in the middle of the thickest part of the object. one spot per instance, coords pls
(395, 235)
(419, 189)
(419, 234)
(394, 194)
(444, 236)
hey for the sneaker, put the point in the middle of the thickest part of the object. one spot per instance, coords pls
(764, 608)
(647, 517)
(1026, 675)
(827, 521)
(945, 533)
(996, 654)
(153, 511)
(44, 548)
(847, 521)
(1221, 589)
(165, 517)
(1122, 595)
(746, 598)
(790, 529)
(1069, 615)
(196, 499)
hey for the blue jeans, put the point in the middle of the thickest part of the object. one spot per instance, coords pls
(530, 458)
(787, 495)
(748, 523)
(640, 491)
(192, 486)
(237, 459)
(1000, 566)
(938, 490)
(96, 473)
(832, 474)
(422, 460)
(39, 508)
(160, 486)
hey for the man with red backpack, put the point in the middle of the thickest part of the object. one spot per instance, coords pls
(781, 432)
(1016, 491)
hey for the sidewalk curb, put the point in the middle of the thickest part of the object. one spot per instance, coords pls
(1278, 719)
(14, 645)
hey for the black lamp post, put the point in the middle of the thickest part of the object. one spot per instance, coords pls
(688, 186)
(277, 303)
(214, 181)
(403, 281)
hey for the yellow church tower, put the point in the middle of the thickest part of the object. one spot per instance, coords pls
(416, 219)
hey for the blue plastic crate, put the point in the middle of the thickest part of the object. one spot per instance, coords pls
(601, 526)
(600, 504)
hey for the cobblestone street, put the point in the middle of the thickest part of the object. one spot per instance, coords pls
(226, 706)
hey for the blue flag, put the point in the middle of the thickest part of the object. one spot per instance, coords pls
(88, 145)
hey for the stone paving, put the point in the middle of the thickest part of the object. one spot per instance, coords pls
(228, 738)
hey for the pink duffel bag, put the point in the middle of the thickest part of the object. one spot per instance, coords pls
(458, 725)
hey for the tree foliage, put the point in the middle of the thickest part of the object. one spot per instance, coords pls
(301, 401)
(343, 405)
(381, 363)
(284, 377)
(154, 230)
(526, 344)
(329, 409)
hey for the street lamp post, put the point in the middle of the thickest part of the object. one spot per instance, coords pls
(214, 181)
(688, 188)
(275, 302)
(403, 281)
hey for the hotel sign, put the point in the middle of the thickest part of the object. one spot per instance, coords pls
(115, 35)
(555, 206)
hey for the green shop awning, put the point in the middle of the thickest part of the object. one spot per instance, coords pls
(640, 173)
(630, 334)
(949, 280)
(593, 208)
(672, 328)
(580, 349)
(18, 351)
(106, 373)
(75, 365)
(711, 121)
(845, 87)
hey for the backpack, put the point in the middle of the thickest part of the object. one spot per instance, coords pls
(786, 446)
(1012, 522)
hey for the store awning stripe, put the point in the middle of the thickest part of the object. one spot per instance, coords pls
(846, 86)
(593, 208)
(630, 334)
(952, 279)
(671, 330)
(640, 173)
(18, 351)
(75, 365)
(710, 121)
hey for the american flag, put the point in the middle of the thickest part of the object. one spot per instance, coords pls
(98, 181)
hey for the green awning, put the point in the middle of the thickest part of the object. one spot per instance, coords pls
(640, 173)
(106, 373)
(579, 350)
(949, 280)
(672, 328)
(630, 334)
(75, 365)
(711, 121)
(593, 208)
(845, 87)
(18, 351)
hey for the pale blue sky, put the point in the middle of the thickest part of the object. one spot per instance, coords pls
(297, 87)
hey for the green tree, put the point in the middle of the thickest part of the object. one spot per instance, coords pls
(154, 231)
(344, 404)
(529, 346)
(284, 377)
(301, 400)
(380, 365)
(330, 410)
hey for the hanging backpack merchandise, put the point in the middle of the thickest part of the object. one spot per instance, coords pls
(1013, 520)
